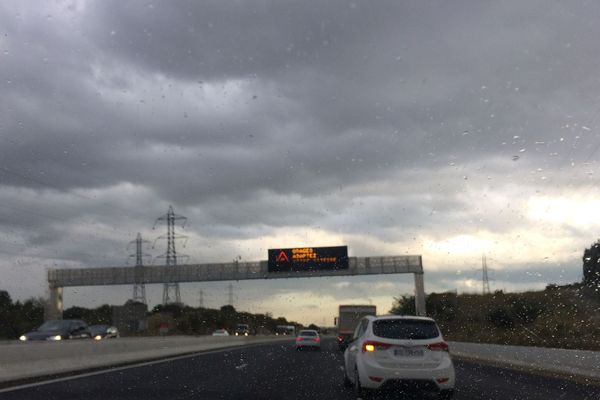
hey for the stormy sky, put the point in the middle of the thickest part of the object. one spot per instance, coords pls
(447, 129)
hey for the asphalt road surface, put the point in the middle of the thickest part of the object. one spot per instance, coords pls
(277, 371)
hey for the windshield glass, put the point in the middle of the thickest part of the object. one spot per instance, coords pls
(54, 326)
(405, 329)
(308, 333)
(255, 169)
(98, 329)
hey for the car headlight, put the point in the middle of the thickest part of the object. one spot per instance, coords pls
(22, 338)
(246, 334)
(236, 334)
(57, 337)
(98, 337)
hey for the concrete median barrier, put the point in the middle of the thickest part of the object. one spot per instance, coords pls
(23, 361)
(581, 365)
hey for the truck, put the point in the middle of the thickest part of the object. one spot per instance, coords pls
(348, 318)
(285, 330)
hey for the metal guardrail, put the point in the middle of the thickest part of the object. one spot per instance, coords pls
(234, 271)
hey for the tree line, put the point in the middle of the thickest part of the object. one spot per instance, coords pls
(18, 317)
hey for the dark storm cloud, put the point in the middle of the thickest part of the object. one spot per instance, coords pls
(402, 102)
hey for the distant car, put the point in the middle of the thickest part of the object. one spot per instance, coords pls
(220, 332)
(399, 353)
(56, 330)
(242, 330)
(308, 338)
(100, 332)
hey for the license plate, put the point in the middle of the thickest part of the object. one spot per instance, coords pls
(408, 352)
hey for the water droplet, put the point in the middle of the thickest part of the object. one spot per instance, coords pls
(515, 158)
(522, 151)
(516, 137)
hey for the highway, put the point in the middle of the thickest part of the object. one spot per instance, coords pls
(277, 371)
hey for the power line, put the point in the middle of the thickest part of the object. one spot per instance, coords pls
(96, 225)
(52, 158)
(46, 184)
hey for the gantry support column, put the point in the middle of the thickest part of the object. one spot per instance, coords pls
(54, 307)
(420, 295)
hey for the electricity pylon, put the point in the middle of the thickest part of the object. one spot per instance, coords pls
(171, 293)
(139, 288)
(485, 280)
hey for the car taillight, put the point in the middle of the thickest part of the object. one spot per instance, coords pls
(317, 339)
(299, 338)
(370, 346)
(440, 346)
(340, 338)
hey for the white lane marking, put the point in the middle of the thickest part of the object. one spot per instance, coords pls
(241, 366)
(116, 369)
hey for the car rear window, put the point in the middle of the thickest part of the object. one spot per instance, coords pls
(405, 329)
(308, 333)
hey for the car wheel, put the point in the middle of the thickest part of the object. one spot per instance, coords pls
(359, 392)
(347, 382)
(446, 394)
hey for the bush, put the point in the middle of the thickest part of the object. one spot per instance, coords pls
(500, 317)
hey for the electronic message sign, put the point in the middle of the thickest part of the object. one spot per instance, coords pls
(308, 259)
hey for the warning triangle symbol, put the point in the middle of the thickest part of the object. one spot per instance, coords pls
(282, 257)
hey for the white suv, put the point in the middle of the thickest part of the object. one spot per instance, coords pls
(399, 353)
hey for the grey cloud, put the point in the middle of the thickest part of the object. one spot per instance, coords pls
(385, 121)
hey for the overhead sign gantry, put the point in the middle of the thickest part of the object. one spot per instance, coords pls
(304, 262)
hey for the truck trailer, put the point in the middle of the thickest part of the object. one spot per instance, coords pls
(348, 318)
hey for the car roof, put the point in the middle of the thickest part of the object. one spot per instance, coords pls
(392, 316)
(309, 330)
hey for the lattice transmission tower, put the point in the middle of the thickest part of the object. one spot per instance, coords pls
(171, 293)
(139, 288)
(485, 279)
(230, 294)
